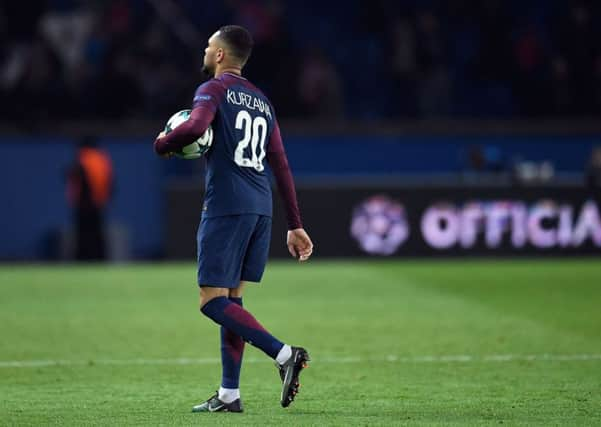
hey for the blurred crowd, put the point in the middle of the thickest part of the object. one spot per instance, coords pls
(124, 59)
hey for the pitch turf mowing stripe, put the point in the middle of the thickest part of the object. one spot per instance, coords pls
(462, 342)
(334, 360)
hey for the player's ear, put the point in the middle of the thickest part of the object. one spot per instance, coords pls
(219, 55)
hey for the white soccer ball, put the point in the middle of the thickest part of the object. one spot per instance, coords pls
(198, 147)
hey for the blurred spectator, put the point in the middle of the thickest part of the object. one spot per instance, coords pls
(67, 33)
(434, 81)
(319, 87)
(89, 189)
(32, 83)
(404, 66)
(593, 170)
(560, 88)
(122, 58)
(530, 60)
(488, 158)
(576, 40)
(495, 60)
(264, 19)
(403, 48)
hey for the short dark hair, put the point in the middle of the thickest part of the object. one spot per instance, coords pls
(239, 40)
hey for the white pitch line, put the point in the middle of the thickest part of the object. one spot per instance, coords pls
(326, 359)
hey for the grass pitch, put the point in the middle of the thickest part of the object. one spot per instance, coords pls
(393, 343)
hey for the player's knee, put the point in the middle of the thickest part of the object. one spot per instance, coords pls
(237, 292)
(209, 293)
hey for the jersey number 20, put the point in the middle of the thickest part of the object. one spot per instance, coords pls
(255, 131)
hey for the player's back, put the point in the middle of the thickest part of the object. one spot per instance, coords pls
(236, 181)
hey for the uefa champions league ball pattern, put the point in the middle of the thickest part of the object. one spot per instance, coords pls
(198, 147)
(379, 225)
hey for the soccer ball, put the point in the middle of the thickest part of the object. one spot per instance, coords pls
(198, 147)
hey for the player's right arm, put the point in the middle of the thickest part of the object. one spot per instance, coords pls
(186, 133)
(298, 241)
(205, 104)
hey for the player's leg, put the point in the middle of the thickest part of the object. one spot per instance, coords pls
(231, 316)
(228, 239)
(215, 304)
(222, 246)
(215, 260)
(227, 398)
(232, 350)
(290, 360)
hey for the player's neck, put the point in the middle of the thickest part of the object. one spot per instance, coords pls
(229, 70)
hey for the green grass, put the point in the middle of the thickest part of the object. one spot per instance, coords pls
(389, 317)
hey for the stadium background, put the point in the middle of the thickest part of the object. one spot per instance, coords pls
(459, 94)
(464, 130)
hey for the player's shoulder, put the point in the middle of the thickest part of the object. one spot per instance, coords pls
(230, 80)
(238, 90)
(212, 87)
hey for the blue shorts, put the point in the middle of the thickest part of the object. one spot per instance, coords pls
(232, 248)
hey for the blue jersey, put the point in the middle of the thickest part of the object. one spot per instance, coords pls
(236, 179)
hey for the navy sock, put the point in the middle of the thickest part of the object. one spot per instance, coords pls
(233, 317)
(232, 349)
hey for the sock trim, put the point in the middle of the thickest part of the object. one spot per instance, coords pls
(228, 395)
(284, 354)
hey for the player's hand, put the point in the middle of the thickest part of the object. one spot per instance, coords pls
(299, 244)
(166, 155)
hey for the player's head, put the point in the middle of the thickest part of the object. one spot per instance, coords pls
(230, 46)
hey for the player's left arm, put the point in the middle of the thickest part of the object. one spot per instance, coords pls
(298, 241)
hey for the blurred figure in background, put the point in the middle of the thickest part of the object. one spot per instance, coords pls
(462, 58)
(89, 188)
(575, 35)
(486, 158)
(319, 87)
(593, 170)
(434, 85)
